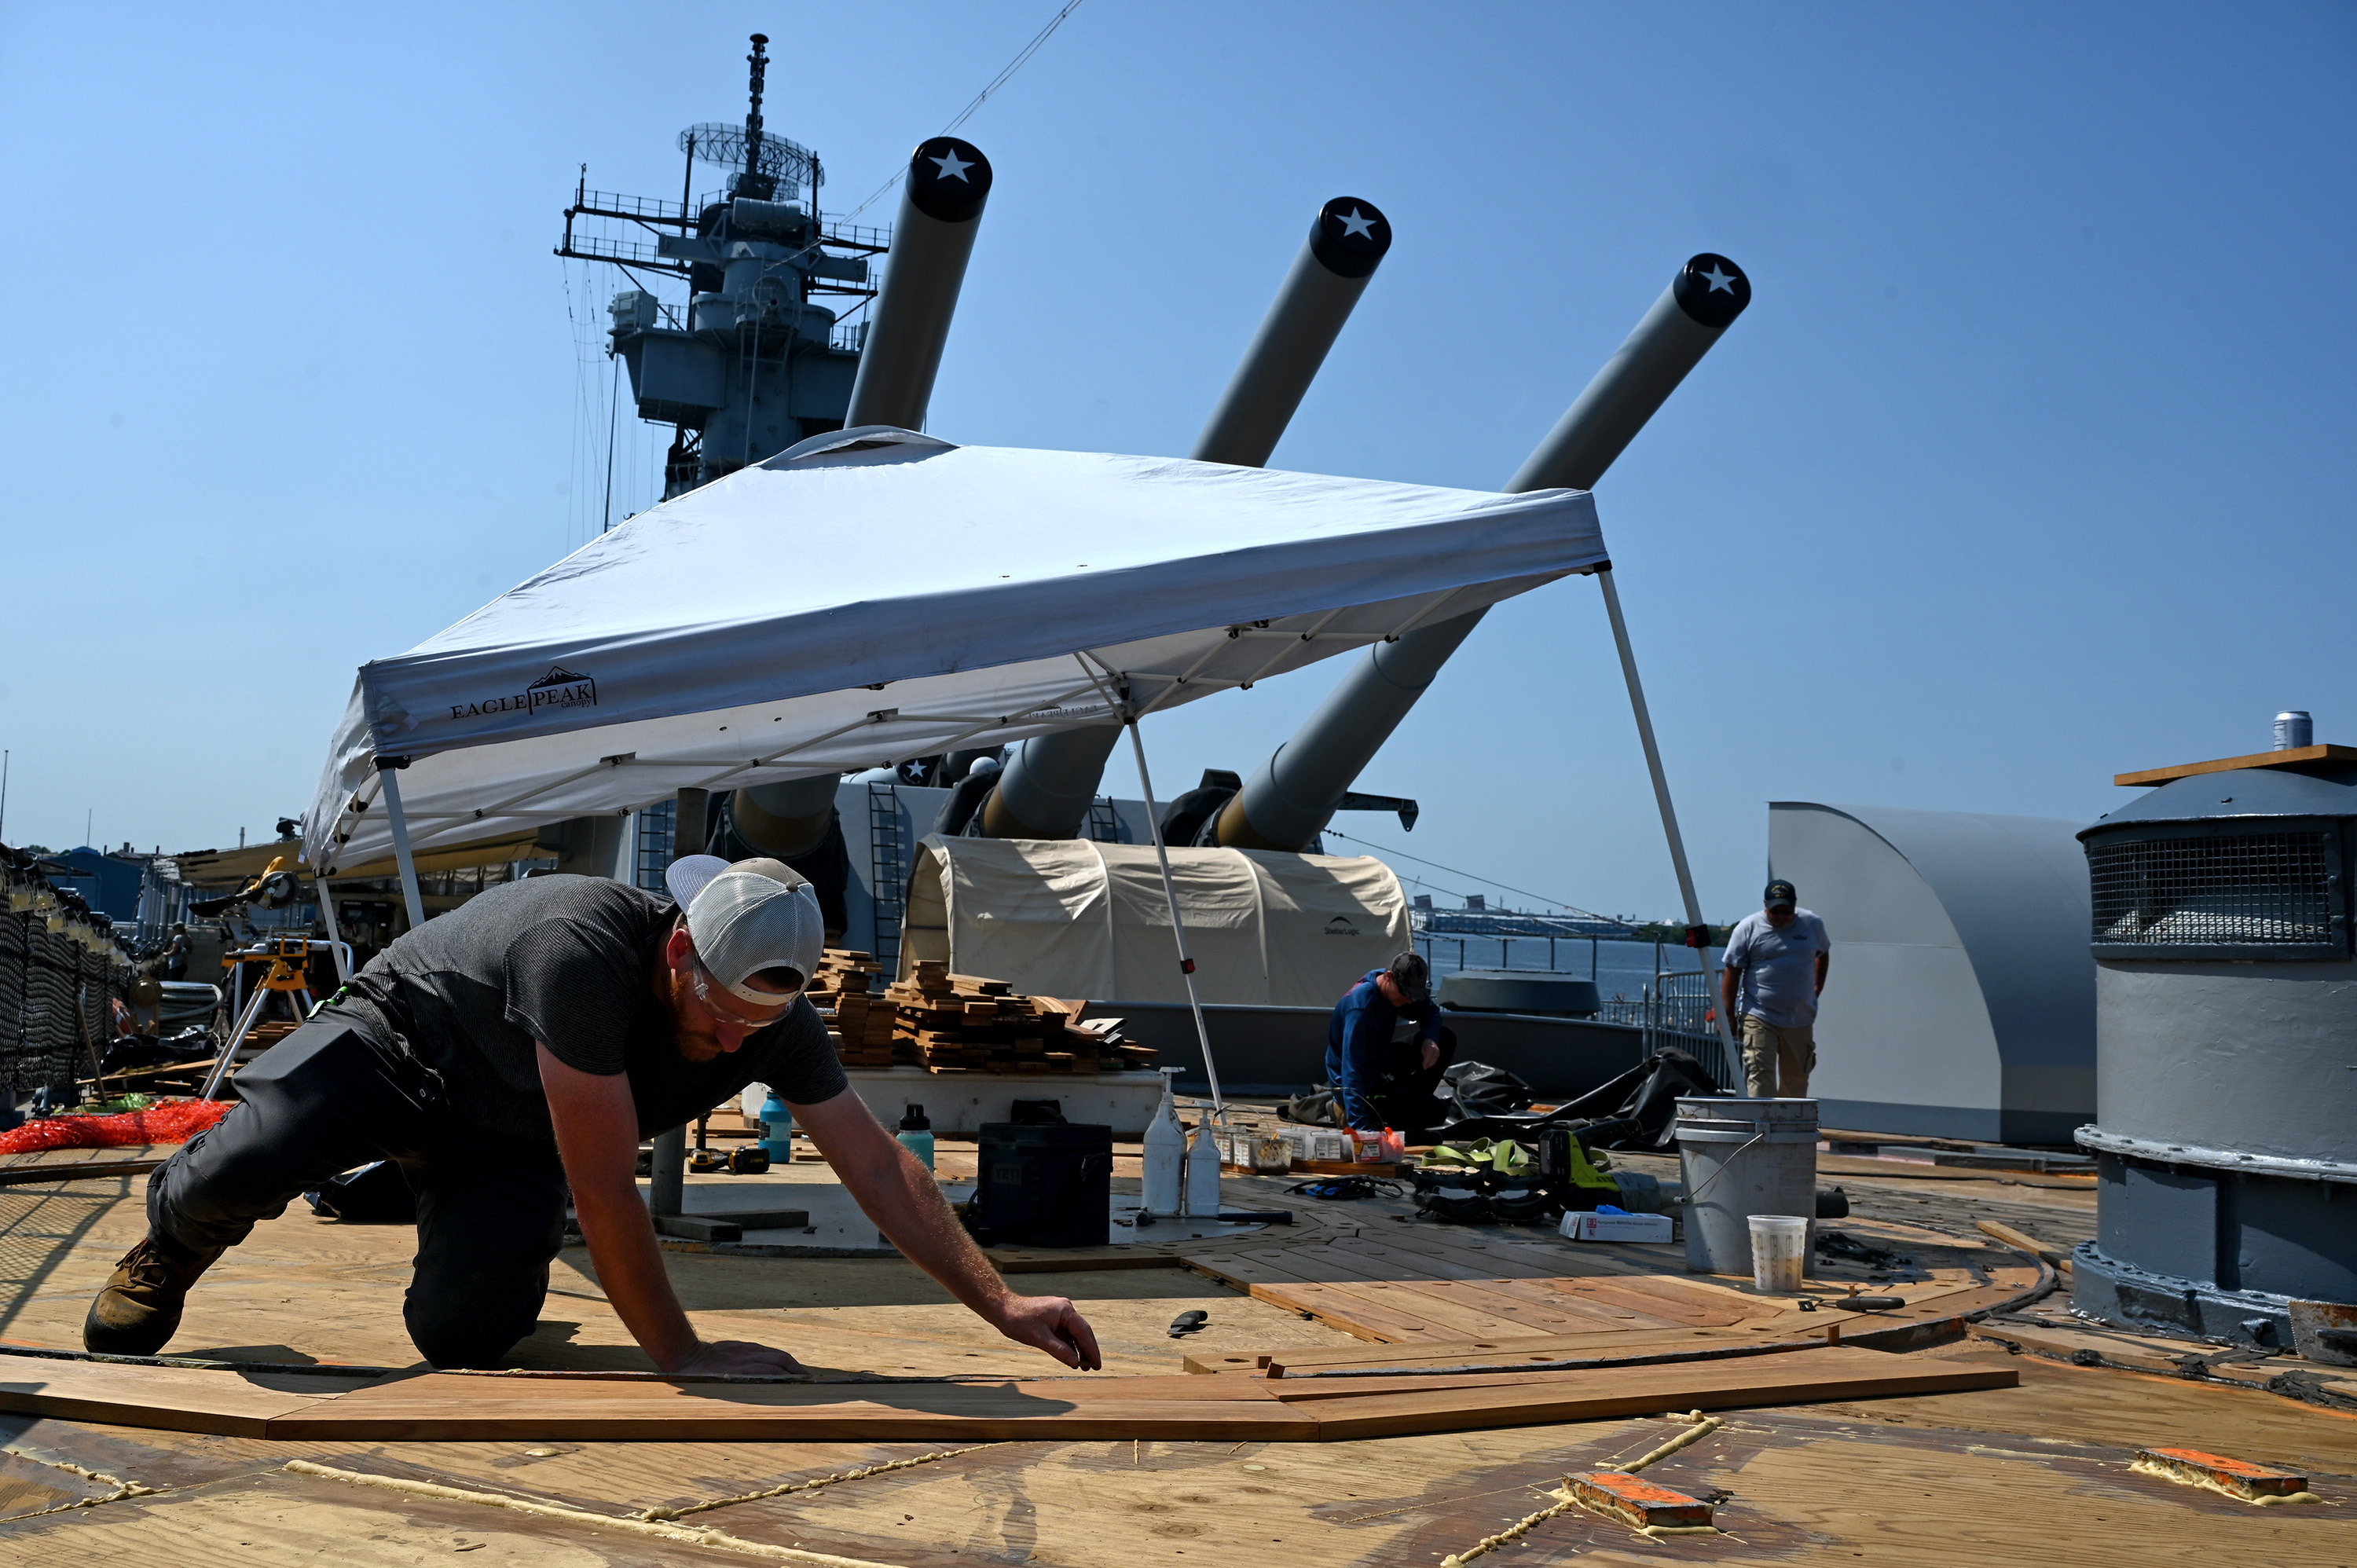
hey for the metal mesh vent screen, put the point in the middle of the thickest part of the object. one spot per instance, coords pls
(2241, 888)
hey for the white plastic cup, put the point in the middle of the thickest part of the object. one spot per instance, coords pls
(1779, 1252)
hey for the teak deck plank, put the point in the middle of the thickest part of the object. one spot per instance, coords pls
(1490, 1309)
(221, 1404)
(1346, 1307)
(1800, 1378)
(450, 1407)
(1493, 1352)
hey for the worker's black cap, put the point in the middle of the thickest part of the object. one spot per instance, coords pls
(1413, 976)
(1780, 892)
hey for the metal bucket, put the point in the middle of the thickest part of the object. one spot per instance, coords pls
(1742, 1157)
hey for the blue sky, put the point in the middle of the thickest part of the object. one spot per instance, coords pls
(2017, 473)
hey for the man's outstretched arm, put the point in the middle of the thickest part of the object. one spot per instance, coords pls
(597, 1137)
(897, 1193)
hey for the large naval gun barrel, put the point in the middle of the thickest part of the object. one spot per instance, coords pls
(1290, 799)
(785, 819)
(941, 210)
(1048, 785)
(1347, 242)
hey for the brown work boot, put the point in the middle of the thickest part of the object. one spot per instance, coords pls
(139, 1310)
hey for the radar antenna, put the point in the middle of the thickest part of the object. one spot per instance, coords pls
(760, 62)
(763, 163)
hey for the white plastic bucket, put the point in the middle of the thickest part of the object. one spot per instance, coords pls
(1779, 1247)
(1739, 1158)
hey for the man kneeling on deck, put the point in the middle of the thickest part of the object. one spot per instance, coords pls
(1386, 1048)
(524, 1043)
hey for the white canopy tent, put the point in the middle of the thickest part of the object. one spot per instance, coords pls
(879, 595)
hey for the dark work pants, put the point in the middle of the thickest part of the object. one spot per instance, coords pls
(490, 1215)
(1403, 1096)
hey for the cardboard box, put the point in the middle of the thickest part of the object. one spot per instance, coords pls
(1584, 1227)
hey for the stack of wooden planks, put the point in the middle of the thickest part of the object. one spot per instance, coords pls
(858, 1023)
(963, 1023)
(460, 1407)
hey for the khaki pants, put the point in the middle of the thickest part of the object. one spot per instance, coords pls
(1777, 1062)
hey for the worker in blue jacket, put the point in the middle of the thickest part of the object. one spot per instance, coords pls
(1385, 1049)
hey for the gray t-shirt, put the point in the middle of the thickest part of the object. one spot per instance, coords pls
(569, 961)
(1779, 967)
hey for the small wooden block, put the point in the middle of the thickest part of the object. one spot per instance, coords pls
(2238, 1476)
(1636, 1501)
(697, 1227)
(759, 1218)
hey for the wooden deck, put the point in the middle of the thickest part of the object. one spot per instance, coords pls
(2033, 1474)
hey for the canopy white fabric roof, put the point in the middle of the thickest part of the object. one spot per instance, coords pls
(881, 595)
(1075, 917)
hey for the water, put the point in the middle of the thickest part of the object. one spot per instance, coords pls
(1622, 969)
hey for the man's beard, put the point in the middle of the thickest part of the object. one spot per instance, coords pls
(695, 1046)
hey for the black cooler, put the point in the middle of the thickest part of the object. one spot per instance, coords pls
(1049, 1185)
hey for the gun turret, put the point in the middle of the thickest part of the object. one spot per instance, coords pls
(1047, 787)
(941, 210)
(1289, 799)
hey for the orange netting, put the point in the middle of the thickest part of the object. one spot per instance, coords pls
(172, 1122)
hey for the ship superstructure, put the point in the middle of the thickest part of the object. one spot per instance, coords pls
(763, 350)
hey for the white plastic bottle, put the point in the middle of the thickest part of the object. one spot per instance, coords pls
(1165, 1150)
(1203, 1171)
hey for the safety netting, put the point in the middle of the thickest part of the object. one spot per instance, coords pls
(167, 1122)
(61, 971)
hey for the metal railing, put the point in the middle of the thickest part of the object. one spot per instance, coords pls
(1676, 1011)
(638, 209)
(850, 236)
(634, 253)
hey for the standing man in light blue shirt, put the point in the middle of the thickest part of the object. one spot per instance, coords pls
(1770, 979)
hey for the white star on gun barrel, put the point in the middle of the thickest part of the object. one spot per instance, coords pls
(952, 167)
(1357, 223)
(1719, 280)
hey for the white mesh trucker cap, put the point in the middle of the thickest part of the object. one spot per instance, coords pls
(748, 917)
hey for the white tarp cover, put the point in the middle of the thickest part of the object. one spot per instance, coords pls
(1075, 917)
(885, 596)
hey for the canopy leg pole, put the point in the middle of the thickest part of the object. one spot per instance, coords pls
(245, 1022)
(1695, 921)
(1177, 927)
(388, 769)
(337, 949)
(667, 1166)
